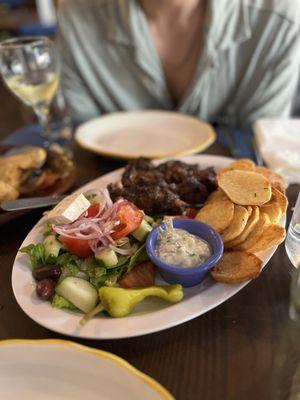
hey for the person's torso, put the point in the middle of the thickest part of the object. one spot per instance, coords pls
(118, 62)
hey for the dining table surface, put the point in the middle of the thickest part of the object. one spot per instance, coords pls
(247, 348)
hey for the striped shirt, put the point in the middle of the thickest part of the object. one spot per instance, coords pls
(248, 67)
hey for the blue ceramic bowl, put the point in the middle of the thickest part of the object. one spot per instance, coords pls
(187, 276)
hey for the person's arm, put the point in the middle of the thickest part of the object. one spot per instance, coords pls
(79, 99)
(273, 96)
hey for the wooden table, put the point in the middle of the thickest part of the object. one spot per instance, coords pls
(245, 349)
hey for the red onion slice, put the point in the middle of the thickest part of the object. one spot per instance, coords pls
(97, 229)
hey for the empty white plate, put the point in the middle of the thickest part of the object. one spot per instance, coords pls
(61, 370)
(152, 134)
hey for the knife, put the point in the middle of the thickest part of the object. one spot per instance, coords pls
(30, 203)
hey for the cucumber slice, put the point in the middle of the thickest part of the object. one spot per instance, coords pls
(79, 292)
(108, 257)
(149, 219)
(52, 247)
(142, 231)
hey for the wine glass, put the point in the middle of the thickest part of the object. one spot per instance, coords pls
(29, 67)
(292, 246)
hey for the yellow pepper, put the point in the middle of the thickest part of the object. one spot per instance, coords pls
(119, 302)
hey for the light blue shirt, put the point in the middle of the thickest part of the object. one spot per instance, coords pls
(248, 68)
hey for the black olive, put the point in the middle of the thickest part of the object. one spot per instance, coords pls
(47, 271)
(45, 289)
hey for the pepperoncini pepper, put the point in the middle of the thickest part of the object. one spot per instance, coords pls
(119, 302)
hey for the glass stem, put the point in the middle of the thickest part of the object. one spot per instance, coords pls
(53, 139)
(42, 113)
(294, 310)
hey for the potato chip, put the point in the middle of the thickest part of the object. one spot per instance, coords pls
(252, 221)
(275, 179)
(245, 187)
(237, 267)
(249, 209)
(240, 218)
(272, 235)
(241, 164)
(273, 210)
(281, 199)
(217, 214)
(217, 195)
(255, 234)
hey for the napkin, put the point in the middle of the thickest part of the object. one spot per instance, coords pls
(278, 141)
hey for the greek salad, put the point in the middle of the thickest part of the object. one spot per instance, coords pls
(92, 253)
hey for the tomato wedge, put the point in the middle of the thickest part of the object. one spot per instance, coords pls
(79, 247)
(142, 275)
(130, 218)
(93, 210)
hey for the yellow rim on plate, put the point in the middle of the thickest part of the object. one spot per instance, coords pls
(100, 353)
(196, 149)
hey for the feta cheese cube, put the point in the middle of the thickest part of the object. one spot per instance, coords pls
(69, 209)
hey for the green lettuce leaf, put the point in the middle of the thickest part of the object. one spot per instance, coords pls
(36, 253)
(48, 229)
(69, 264)
(67, 259)
(121, 261)
(95, 271)
(89, 264)
(60, 302)
(69, 270)
(112, 275)
(92, 198)
(139, 256)
(124, 266)
(99, 275)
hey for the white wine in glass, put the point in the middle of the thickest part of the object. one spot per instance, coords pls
(34, 94)
(30, 70)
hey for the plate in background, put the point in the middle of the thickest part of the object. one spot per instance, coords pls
(151, 134)
(58, 369)
(62, 185)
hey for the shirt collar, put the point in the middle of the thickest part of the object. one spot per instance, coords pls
(228, 22)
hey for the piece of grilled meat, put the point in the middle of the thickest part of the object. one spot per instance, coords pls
(170, 188)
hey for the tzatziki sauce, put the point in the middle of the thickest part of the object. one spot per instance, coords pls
(179, 248)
